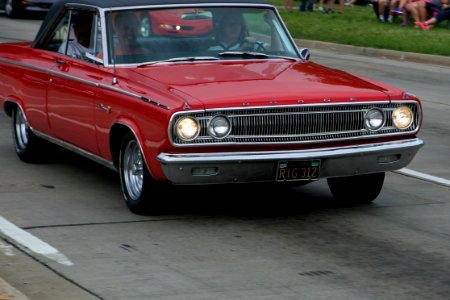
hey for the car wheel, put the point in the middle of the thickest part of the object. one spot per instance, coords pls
(11, 9)
(135, 179)
(29, 147)
(356, 189)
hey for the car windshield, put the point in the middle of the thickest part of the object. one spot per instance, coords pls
(144, 36)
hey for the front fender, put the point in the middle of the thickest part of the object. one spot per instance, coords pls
(118, 131)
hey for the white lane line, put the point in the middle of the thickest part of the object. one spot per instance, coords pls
(424, 176)
(31, 242)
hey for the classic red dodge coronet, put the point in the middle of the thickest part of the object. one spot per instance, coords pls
(200, 92)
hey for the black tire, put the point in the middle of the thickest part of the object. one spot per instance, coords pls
(357, 189)
(29, 147)
(136, 182)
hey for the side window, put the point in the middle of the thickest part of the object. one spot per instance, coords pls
(78, 33)
(59, 35)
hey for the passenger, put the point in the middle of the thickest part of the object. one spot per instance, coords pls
(126, 25)
(81, 26)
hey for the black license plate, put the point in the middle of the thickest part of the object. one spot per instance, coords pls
(298, 170)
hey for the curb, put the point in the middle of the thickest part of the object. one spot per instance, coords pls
(374, 52)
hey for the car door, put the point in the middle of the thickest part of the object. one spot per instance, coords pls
(73, 90)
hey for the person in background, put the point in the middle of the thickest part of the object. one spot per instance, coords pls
(386, 10)
(306, 5)
(321, 6)
(330, 6)
(288, 5)
(410, 8)
(417, 10)
(433, 7)
(444, 14)
(382, 5)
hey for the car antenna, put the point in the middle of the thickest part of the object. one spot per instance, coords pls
(114, 80)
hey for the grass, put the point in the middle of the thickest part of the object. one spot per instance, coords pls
(358, 26)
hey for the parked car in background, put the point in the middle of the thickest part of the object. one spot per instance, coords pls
(197, 107)
(177, 22)
(20, 8)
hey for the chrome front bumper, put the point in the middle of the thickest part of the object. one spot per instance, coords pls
(229, 167)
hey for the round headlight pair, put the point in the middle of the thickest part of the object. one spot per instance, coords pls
(188, 128)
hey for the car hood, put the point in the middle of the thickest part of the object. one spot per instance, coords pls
(257, 83)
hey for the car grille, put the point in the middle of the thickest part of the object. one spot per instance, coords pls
(297, 124)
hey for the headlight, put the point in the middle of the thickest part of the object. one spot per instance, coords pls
(219, 127)
(402, 117)
(187, 128)
(374, 119)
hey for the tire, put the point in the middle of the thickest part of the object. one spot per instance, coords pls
(29, 147)
(135, 179)
(357, 189)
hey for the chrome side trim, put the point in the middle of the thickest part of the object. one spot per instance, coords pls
(88, 82)
(77, 150)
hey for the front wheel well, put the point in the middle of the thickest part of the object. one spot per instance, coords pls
(118, 131)
(9, 107)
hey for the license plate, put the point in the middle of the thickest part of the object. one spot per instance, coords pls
(298, 170)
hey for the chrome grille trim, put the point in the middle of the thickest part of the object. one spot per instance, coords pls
(297, 124)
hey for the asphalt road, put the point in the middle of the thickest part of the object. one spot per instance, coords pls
(259, 244)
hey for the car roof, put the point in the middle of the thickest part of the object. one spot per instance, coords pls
(116, 3)
(105, 4)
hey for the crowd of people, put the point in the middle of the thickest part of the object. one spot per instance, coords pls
(424, 13)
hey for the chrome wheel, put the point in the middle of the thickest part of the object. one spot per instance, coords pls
(138, 186)
(29, 147)
(21, 130)
(133, 170)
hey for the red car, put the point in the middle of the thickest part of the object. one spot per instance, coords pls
(177, 22)
(241, 104)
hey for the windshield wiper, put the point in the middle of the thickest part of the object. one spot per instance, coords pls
(243, 54)
(179, 59)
